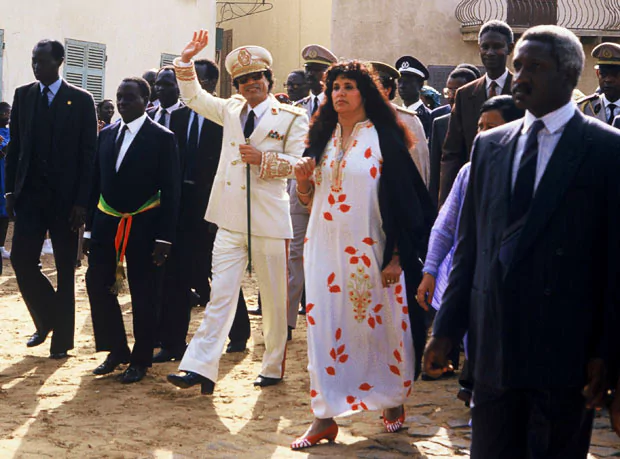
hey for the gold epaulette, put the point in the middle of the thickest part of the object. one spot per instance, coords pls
(404, 110)
(591, 97)
(292, 109)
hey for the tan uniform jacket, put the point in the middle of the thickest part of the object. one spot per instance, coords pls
(419, 152)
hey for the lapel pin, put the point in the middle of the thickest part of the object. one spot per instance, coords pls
(274, 111)
(68, 102)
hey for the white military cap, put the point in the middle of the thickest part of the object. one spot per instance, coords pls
(248, 59)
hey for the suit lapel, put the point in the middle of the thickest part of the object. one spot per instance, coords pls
(501, 162)
(141, 136)
(61, 106)
(32, 98)
(507, 89)
(563, 165)
(267, 122)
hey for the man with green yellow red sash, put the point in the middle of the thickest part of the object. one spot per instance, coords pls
(133, 214)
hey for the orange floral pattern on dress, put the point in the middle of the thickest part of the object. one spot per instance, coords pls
(333, 288)
(337, 354)
(359, 285)
(375, 319)
(309, 317)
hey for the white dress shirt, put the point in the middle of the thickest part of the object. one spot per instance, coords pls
(168, 110)
(500, 82)
(606, 103)
(53, 89)
(310, 106)
(259, 111)
(548, 139)
(201, 120)
(132, 129)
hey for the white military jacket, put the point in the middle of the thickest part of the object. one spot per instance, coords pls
(280, 135)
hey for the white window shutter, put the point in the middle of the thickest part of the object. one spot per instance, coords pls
(167, 59)
(85, 66)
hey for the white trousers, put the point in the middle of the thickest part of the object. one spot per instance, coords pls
(296, 266)
(230, 257)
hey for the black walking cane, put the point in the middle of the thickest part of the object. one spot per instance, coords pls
(249, 208)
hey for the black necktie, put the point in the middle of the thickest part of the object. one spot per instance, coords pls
(191, 151)
(249, 125)
(521, 200)
(45, 102)
(119, 142)
(316, 104)
(612, 109)
(526, 176)
(162, 117)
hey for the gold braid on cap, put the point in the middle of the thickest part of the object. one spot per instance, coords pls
(272, 167)
(185, 73)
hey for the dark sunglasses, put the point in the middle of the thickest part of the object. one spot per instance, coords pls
(252, 76)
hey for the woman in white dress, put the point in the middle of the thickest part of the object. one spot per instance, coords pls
(370, 214)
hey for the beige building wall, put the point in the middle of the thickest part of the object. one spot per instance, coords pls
(384, 30)
(284, 31)
(135, 33)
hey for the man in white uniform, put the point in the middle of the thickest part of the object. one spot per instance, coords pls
(268, 137)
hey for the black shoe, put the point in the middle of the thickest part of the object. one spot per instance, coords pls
(465, 396)
(190, 379)
(133, 374)
(109, 365)
(164, 355)
(58, 355)
(264, 381)
(289, 334)
(236, 346)
(37, 338)
(256, 312)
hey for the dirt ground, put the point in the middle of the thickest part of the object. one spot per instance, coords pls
(58, 409)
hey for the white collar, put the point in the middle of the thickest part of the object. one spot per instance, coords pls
(501, 81)
(260, 109)
(171, 108)
(54, 87)
(414, 107)
(554, 121)
(135, 125)
(606, 101)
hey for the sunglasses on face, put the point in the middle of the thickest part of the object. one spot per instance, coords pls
(252, 76)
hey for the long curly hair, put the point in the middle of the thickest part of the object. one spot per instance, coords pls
(378, 109)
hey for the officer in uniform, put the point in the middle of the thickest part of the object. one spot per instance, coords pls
(317, 60)
(267, 137)
(388, 76)
(413, 74)
(606, 105)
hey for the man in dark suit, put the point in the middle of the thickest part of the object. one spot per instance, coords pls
(136, 174)
(413, 74)
(496, 42)
(48, 175)
(535, 273)
(200, 143)
(458, 77)
(167, 90)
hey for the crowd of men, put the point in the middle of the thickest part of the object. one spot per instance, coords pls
(142, 186)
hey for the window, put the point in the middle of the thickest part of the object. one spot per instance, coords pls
(85, 66)
(166, 59)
